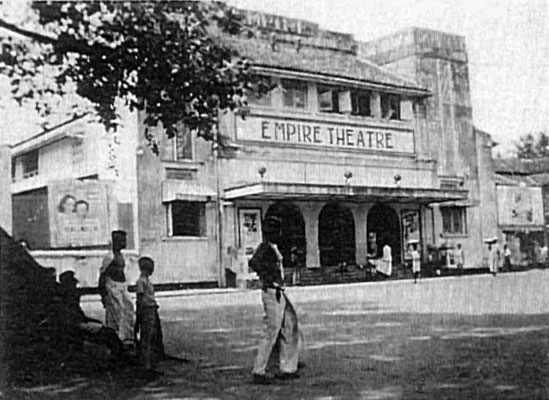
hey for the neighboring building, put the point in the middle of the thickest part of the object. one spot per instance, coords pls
(522, 188)
(342, 149)
(72, 185)
(5, 195)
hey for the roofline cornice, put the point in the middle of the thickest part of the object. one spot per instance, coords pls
(333, 79)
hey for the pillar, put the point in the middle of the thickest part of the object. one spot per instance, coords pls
(360, 214)
(375, 105)
(310, 215)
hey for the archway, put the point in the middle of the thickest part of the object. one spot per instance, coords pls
(336, 235)
(384, 222)
(292, 231)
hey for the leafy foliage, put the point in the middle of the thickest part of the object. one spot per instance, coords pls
(532, 146)
(159, 57)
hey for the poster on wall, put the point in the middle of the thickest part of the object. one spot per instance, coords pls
(78, 213)
(249, 229)
(410, 230)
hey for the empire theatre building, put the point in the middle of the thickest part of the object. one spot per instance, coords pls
(346, 151)
(357, 142)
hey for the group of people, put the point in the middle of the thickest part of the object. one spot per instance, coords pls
(142, 327)
(123, 328)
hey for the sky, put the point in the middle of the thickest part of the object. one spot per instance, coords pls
(506, 42)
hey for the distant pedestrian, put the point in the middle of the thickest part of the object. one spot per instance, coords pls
(459, 258)
(493, 256)
(387, 261)
(113, 289)
(507, 266)
(281, 326)
(296, 265)
(416, 259)
(147, 325)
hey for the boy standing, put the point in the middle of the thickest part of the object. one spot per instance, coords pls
(416, 260)
(148, 322)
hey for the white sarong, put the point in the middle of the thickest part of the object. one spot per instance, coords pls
(119, 314)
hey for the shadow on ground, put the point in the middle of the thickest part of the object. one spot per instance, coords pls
(353, 351)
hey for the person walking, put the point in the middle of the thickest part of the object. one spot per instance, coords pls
(281, 325)
(113, 289)
(460, 259)
(416, 259)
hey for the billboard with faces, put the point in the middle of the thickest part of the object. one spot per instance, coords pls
(78, 213)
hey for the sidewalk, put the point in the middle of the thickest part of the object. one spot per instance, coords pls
(91, 298)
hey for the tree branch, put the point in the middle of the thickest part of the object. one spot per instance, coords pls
(39, 37)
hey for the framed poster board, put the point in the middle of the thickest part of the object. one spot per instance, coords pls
(410, 230)
(79, 213)
(249, 229)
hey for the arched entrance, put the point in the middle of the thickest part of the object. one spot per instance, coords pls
(292, 231)
(336, 235)
(384, 222)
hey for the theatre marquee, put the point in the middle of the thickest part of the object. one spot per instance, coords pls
(306, 133)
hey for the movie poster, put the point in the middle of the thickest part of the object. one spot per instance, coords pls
(250, 230)
(410, 231)
(78, 214)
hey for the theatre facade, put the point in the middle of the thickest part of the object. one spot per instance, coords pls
(356, 141)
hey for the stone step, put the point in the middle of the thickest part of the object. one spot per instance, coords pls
(334, 274)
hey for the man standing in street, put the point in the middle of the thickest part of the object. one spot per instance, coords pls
(281, 325)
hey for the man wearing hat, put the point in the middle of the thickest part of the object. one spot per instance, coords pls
(281, 325)
(113, 289)
(493, 255)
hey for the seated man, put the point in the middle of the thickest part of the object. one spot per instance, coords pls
(78, 323)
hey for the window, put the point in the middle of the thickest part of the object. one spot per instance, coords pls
(343, 100)
(186, 218)
(180, 147)
(390, 106)
(453, 220)
(30, 164)
(328, 100)
(295, 93)
(263, 100)
(360, 103)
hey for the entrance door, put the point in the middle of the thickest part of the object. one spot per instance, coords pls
(336, 235)
(292, 231)
(384, 222)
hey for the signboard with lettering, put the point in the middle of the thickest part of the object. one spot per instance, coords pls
(520, 205)
(322, 134)
(78, 214)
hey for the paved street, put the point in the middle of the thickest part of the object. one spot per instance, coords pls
(475, 337)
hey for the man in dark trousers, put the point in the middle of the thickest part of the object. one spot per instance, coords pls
(281, 325)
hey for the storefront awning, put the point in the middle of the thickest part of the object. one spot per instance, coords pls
(521, 228)
(300, 191)
(186, 191)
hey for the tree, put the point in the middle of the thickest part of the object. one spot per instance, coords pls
(532, 146)
(159, 57)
